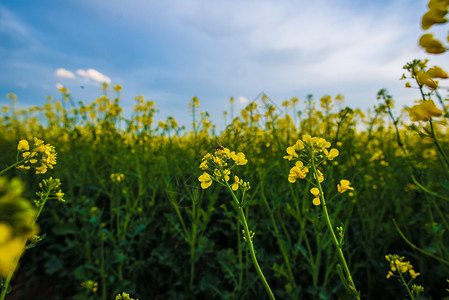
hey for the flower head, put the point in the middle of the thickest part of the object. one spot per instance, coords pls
(431, 45)
(316, 192)
(424, 111)
(343, 186)
(23, 145)
(205, 180)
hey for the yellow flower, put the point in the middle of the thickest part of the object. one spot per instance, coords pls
(343, 186)
(437, 72)
(23, 146)
(203, 165)
(413, 274)
(316, 192)
(235, 185)
(424, 111)
(10, 248)
(291, 153)
(433, 16)
(239, 158)
(226, 174)
(431, 45)
(408, 85)
(298, 171)
(425, 79)
(332, 154)
(42, 169)
(205, 180)
(320, 176)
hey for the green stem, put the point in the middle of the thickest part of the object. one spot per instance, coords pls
(416, 247)
(443, 154)
(334, 237)
(11, 166)
(250, 243)
(403, 281)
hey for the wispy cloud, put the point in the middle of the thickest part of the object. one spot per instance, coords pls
(94, 75)
(63, 73)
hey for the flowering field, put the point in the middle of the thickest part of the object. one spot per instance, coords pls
(311, 200)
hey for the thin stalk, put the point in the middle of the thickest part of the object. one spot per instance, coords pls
(417, 248)
(437, 144)
(334, 237)
(250, 243)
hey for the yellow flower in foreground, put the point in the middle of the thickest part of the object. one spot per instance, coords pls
(291, 153)
(424, 111)
(425, 79)
(333, 154)
(23, 146)
(298, 171)
(316, 192)
(10, 248)
(343, 186)
(433, 16)
(205, 180)
(42, 169)
(239, 158)
(431, 45)
(235, 185)
(437, 72)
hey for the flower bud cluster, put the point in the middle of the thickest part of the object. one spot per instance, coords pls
(41, 157)
(398, 265)
(217, 167)
(305, 151)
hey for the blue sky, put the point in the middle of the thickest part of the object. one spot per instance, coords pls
(169, 51)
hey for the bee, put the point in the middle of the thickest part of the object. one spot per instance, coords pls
(219, 147)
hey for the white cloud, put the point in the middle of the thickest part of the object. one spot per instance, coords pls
(242, 100)
(63, 73)
(94, 74)
(59, 86)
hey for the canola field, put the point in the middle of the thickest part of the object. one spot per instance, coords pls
(308, 200)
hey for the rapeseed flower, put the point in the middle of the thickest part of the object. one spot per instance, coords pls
(431, 45)
(344, 185)
(398, 265)
(316, 192)
(23, 145)
(298, 171)
(205, 180)
(424, 111)
(424, 78)
(433, 16)
(437, 72)
(41, 152)
(217, 167)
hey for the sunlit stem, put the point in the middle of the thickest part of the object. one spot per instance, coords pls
(249, 242)
(334, 237)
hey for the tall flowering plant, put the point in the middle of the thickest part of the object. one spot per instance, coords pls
(309, 153)
(219, 167)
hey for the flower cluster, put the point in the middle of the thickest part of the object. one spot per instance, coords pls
(90, 285)
(124, 296)
(306, 150)
(398, 265)
(217, 167)
(49, 188)
(41, 157)
(117, 177)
